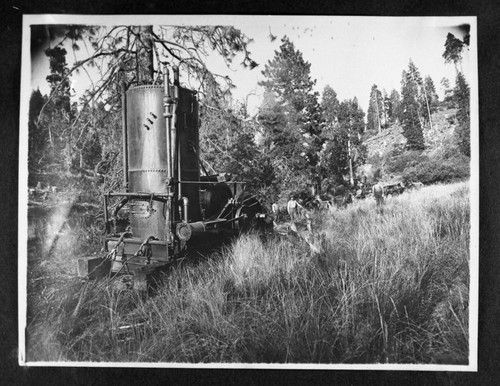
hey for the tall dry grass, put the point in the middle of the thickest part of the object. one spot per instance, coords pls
(391, 285)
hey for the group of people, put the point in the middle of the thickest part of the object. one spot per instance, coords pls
(292, 207)
(295, 209)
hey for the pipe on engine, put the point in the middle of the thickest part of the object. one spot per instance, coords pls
(167, 114)
(185, 202)
(124, 135)
(167, 104)
(174, 141)
(176, 75)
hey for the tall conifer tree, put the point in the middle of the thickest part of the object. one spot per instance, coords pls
(288, 78)
(411, 115)
(462, 100)
(375, 110)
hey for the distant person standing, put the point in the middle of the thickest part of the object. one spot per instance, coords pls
(378, 193)
(292, 208)
(275, 210)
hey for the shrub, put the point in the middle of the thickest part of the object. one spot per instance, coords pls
(462, 132)
(438, 170)
(399, 163)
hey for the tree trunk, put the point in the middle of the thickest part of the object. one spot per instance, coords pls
(428, 108)
(145, 68)
(378, 113)
(384, 110)
(351, 176)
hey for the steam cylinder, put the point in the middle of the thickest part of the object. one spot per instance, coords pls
(147, 157)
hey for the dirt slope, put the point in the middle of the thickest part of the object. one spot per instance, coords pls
(392, 141)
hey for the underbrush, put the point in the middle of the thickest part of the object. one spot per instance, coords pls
(439, 170)
(390, 285)
(442, 167)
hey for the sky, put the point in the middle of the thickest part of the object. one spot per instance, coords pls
(350, 54)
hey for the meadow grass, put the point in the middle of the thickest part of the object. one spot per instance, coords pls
(390, 285)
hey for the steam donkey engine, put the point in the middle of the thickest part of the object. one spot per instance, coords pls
(172, 206)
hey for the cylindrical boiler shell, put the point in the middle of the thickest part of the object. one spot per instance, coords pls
(147, 158)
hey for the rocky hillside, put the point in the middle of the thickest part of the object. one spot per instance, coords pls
(386, 142)
(384, 148)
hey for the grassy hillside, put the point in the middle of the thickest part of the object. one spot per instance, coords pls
(389, 286)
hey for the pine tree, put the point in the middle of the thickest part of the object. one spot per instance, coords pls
(227, 143)
(425, 103)
(454, 48)
(58, 116)
(37, 136)
(447, 91)
(74, 145)
(288, 75)
(432, 96)
(144, 68)
(394, 110)
(292, 122)
(329, 106)
(375, 110)
(343, 148)
(333, 156)
(385, 109)
(411, 116)
(462, 100)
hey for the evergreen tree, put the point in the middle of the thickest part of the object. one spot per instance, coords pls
(144, 68)
(432, 96)
(37, 136)
(375, 110)
(292, 121)
(59, 78)
(351, 118)
(411, 118)
(288, 75)
(58, 114)
(447, 91)
(394, 111)
(462, 100)
(453, 50)
(385, 109)
(75, 145)
(425, 104)
(329, 106)
(333, 156)
(227, 143)
(343, 149)
(281, 137)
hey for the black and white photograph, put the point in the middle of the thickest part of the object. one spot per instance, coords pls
(277, 192)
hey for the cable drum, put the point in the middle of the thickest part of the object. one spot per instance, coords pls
(214, 198)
